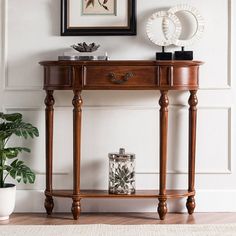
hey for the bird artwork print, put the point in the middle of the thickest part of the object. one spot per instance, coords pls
(102, 3)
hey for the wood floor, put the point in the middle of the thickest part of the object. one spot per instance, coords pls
(117, 218)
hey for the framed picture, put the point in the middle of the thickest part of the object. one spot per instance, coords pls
(98, 17)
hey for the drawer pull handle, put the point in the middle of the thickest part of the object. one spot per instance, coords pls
(126, 77)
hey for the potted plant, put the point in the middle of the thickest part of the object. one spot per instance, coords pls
(10, 125)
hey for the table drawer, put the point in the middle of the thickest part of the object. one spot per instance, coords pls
(115, 77)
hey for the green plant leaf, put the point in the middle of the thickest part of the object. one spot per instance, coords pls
(20, 172)
(18, 128)
(13, 173)
(11, 117)
(31, 178)
(12, 124)
(24, 177)
(14, 151)
(13, 164)
(24, 133)
(7, 168)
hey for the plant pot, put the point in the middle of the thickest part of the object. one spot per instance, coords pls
(7, 201)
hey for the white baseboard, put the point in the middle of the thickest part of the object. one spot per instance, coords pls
(207, 201)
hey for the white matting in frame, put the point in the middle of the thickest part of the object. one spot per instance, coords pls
(77, 18)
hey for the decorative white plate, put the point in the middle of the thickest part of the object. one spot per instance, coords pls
(168, 38)
(200, 24)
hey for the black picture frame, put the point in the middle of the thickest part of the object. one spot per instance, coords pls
(99, 31)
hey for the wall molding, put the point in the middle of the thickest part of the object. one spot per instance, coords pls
(54, 173)
(228, 171)
(230, 41)
(4, 56)
(3, 40)
(115, 107)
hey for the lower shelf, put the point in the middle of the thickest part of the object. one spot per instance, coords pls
(105, 194)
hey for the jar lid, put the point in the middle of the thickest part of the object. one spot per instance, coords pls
(121, 155)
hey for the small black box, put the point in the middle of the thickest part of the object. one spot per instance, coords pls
(164, 56)
(183, 55)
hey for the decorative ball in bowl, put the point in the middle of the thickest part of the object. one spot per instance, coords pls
(84, 47)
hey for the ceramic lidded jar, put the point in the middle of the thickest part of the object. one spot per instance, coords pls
(121, 172)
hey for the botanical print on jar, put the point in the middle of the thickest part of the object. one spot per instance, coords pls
(98, 7)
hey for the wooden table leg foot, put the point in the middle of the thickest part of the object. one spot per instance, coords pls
(75, 209)
(162, 208)
(49, 204)
(191, 205)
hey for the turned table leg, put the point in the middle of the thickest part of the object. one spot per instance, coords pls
(49, 102)
(193, 101)
(77, 115)
(164, 102)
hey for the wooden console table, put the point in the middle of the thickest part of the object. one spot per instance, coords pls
(120, 75)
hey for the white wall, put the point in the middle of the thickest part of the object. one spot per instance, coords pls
(30, 33)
